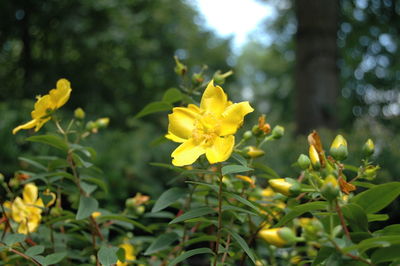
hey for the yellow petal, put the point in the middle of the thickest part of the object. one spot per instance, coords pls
(187, 153)
(28, 125)
(30, 194)
(174, 138)
(182, 122)
(22, 228)
(232, 117)
(43, 107)
(18, 209)
(60, 95)
(272, 237)
(214, 99)
(129, 251)
(220, 150)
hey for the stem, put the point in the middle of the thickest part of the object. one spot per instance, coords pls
(219, 219)
(349, 254)
(23, 255)
(342, 221)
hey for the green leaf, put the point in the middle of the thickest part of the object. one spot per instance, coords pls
(11, 239)
(33, 163)
(363, 184)
(124, 219)
(233, 168)
(162, 242)
(168, 166)
(88, 188)
(168, 197)
(356, 217)
(378, 197)
(266, 169)
(205, 238)
(386, 254)
(54, 258)
(35, 250)
(189, 254)
(393, 229)
(376, 242)
(239, 158)
(107, 255)
(96, 181)
(300, 209)
(81, 162)
(241, 200)
(194, 213)
(238, 209)
(172, 95)
(87, 206)
(213, 187)
(154, 107)
(52, 140)
(377, 217)
(323, 254)
(242, 244)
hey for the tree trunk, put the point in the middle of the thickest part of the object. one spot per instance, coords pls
(317, 83)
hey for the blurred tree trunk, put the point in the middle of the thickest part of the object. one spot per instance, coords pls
(317, 83)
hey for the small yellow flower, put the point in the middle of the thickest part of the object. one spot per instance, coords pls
(129, 254)
(286, 186)
(314, 157)
(95, 214)
(45, 105)
(27, 210)
(207, 129)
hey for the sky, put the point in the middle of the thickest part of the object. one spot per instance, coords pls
(235, 18)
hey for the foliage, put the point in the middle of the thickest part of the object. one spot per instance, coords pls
(221, 213)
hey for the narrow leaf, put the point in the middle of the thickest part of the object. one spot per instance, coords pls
(51, 140)
(233, 168)
(154, 107)
(300, 209)
(189, 254)
(386, 254)
(243, 245)
(266, 169)
(378, 197)
(162, 242)
(202, 211)
(172, 95)
(168, 197)
(241, 200)
(124, 219)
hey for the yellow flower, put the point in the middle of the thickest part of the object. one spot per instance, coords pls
(45, 105)
(207, 129)
(129, 254)
(27, 210)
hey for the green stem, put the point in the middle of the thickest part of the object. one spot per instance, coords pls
(219, 218)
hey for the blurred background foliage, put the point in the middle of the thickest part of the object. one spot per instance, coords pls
(118, 55)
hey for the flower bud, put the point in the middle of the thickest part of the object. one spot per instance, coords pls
(330, 188)
(368, 148)
(79, 113)
(314, 157)
(180, 69)
(254, 152)
(103, 122)
(303, 161)
(256, 131)
(247, 179)
(339, 148)
(91, 126)
(197, 79)
(370, 172)
(247, 135)
(278, 132)
(286, 186)
(278, 236)
(220, 78)
(312, 228)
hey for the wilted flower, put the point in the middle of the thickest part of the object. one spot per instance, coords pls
(207, 129)
(46, 105)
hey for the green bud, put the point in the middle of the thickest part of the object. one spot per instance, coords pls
(339, 148)
(91, 126)
(79, 113)
(303, 161)
(370, 172)
(256, 131)
(330, 188)
(368, 148)
(180, 69)
(197, 79)
(278, 132)
(220, 78)
(247, 135)
(130, 203)
(103, 122)
(287, 235)
(55, 211)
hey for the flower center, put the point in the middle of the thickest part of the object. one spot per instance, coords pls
(207, 128)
